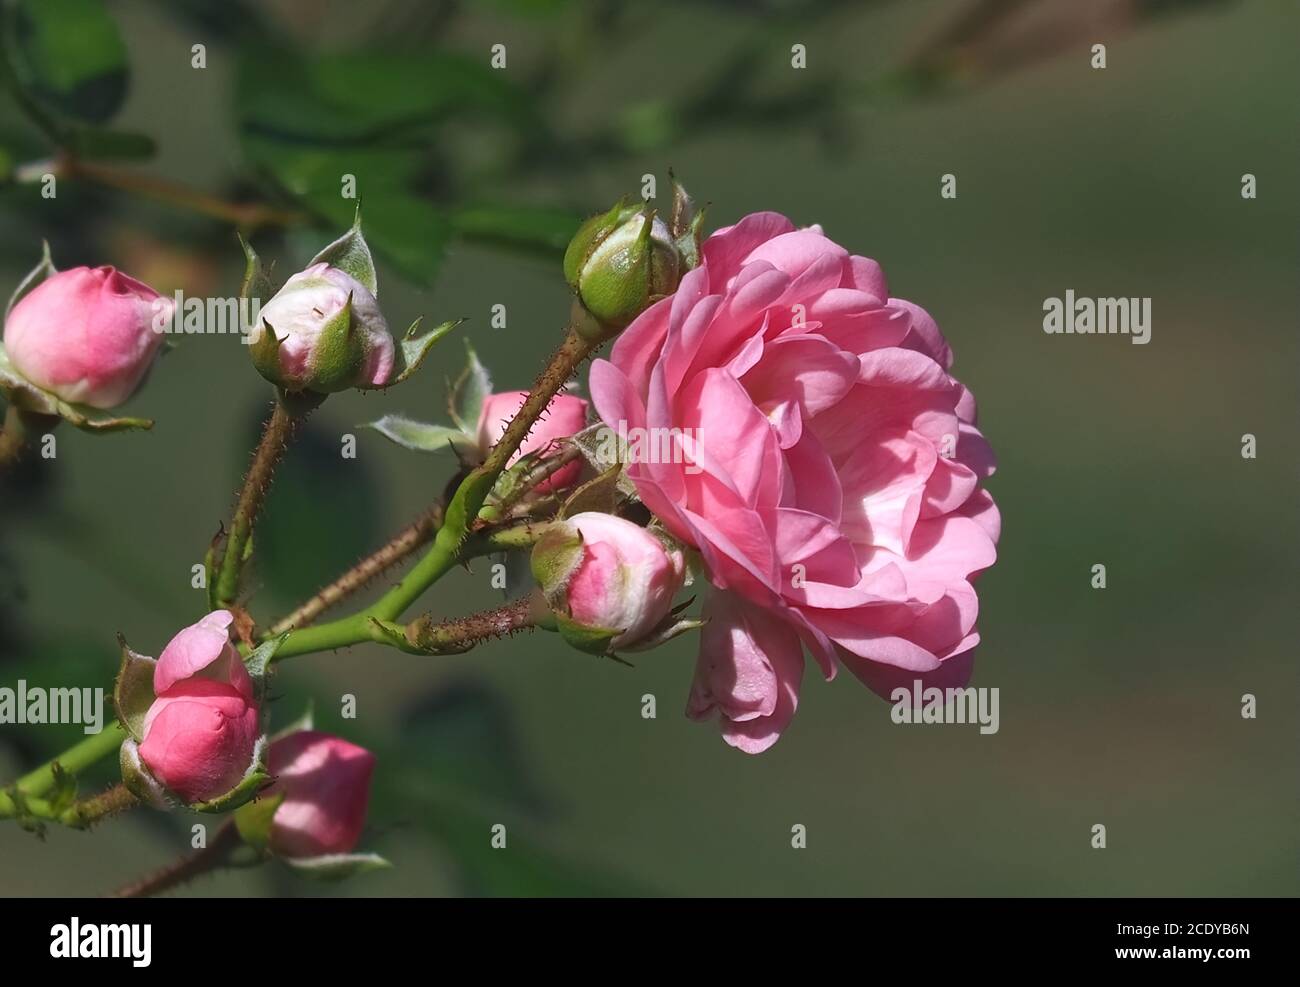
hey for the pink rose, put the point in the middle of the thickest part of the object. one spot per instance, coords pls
(325, 782)
(604, 572)
(201, 732)
(319, 350)
(87, 334)
(828, 470)
(564, 416)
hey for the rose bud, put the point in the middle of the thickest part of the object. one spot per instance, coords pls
(86, 335)
(325, 785)
(616, 264)
(610, 583)
(323, 332)
(200, 736)
(564, 416)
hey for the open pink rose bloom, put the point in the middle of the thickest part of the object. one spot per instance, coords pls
(825, 464)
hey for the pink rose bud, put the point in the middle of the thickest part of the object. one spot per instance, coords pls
(609, 582)
(87, 335)
(201, 733)
(325, 782)
(564, 416)
(326, 334)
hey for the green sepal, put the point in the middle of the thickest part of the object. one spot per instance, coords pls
(133, 691)
(465, 398)
(592, 640)
(414, 346)
(423, 436)
(43, 271)
(337, 356)
(255, 279)
(265, 352)
(599, 495)
(664, 632)
(258, 663)
(139, 781)
(555, 558)
(686, 225)
(336, 866)
(591, 235)
(253, 819)
(351, 254)
(26, 396)
(65, 789)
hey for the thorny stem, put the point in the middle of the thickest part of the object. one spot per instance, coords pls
(453, 544)
(81, 814)
(463, 510)
(275, 439)
(459, 634)
(248, 216)
(212, 857)
(413, 536)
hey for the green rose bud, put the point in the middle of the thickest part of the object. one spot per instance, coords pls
(617, 264)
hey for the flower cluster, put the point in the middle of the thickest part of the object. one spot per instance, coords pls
(772, 424)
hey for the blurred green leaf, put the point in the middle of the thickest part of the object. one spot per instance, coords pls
(537, 228)
(109, 145)
(68, 56)
(306, 123)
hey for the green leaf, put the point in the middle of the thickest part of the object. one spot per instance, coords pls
(472, 387)
(539, 229)
(109, 145)
(307, 121)
(68, 56)
(421, 436)
(415, 346)
(336, 866)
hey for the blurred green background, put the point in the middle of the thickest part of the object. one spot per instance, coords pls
(1119, 706)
